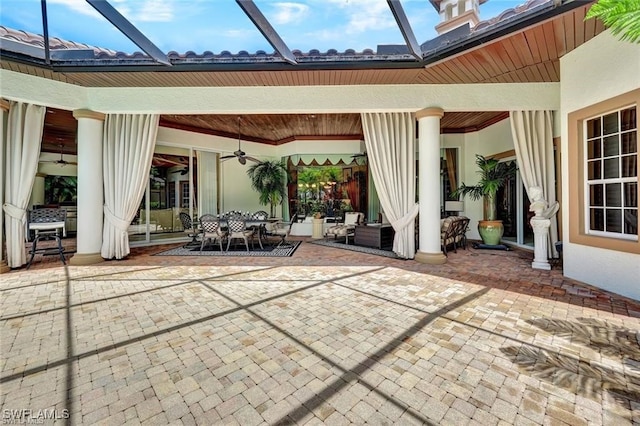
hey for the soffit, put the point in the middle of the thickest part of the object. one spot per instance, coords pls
(60, 126)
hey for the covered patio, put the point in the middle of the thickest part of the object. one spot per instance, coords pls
(324, 336)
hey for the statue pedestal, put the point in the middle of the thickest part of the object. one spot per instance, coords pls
(540, 227)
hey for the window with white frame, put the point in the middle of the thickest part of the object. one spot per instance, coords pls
(184, 194)
(611, 145)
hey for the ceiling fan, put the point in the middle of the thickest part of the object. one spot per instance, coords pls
(182, 172)
(61, 162)
(240, 154)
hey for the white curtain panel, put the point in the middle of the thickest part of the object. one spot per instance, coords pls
(128, 144)
(24, 136)
(533, 139)
(390, 141)
(207, 182)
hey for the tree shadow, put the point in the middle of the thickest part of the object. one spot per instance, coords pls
(590, 378)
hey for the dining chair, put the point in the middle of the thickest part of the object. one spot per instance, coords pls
(47, 224)
(237, 229)
(189, 228)
(260, 230)
(211, 231)
(282, 230)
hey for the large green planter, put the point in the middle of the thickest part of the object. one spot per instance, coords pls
(490, 231)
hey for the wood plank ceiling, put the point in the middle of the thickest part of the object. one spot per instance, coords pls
(531, 55)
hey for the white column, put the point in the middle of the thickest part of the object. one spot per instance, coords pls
(429, 182)
(90, 188)
(4, 110)
(540, 227)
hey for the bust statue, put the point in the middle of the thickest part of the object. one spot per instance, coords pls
(540, 206)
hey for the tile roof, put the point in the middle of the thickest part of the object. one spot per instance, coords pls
(384, 53)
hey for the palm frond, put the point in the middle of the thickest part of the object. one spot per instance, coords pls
(621, 16)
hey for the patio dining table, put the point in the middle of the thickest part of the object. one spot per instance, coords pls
(258, 224)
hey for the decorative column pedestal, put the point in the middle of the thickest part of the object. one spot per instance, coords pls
(316, 231)
(540, 227)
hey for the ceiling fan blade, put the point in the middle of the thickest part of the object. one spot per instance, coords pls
(242, 160)
(226, 157)
(253, 159)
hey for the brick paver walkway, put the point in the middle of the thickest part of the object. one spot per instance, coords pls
(324, 337)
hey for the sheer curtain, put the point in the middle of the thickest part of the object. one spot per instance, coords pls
(533, 139)
(129, 141)
(207, 182)
(24, 135)
(390, 142)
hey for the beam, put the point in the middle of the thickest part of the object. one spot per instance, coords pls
(405, 28)
(129, 30)
(45, 31)
(267, 30)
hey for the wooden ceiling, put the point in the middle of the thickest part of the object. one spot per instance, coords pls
(60, 126)
(529, 55)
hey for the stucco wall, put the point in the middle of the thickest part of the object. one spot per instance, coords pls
(492, 140)
(235, 187)
(599, 70)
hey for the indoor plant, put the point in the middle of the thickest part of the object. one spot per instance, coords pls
(269, 178)
(493, 175)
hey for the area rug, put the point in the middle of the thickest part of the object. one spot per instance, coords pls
(238, 250)
(351, 247)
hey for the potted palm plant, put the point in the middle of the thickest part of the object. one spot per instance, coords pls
(493, 175)
(269, 178)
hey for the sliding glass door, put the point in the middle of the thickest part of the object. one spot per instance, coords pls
(171, 190)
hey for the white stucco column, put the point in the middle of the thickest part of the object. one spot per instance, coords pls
(90, 188)
(429, 182)
(4, 112)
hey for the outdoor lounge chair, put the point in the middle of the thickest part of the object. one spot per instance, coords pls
(347, 228)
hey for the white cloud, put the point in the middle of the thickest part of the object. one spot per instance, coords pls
(135, 11)
(289, 12)
(155, 11)
(363, 15)
(78, 6)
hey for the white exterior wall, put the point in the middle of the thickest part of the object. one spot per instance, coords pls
(596, 71)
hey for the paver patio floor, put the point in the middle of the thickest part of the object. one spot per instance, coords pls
(324, 337)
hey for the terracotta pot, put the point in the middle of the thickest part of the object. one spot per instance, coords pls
(490, 231)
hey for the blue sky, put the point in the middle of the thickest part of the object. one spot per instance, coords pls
(219, 25)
